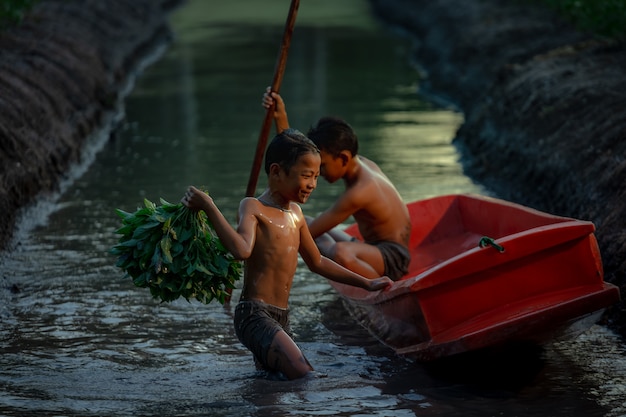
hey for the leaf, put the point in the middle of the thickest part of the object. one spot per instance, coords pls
(127, 229)
(157, 262)
(201, 268)
(177, 249)
(141, 232)
(166, 245)
(123, 258)
(142, 280)
(140, 214)
(149, 204)
(123, 214)
(184, 235)
(131, 243)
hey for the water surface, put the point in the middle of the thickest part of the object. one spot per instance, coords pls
(79, 340)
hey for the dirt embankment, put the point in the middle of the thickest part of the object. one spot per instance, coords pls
(61, 70)
(545, 109)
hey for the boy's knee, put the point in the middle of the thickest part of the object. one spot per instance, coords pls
(326, 246)
(343, 255)
(287, 358)
(295, 367)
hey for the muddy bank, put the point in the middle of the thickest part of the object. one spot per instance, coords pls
(544, 106)
(61, 71)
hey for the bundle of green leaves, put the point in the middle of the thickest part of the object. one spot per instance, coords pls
(175, 253)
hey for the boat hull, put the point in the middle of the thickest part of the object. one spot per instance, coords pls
(459, 296)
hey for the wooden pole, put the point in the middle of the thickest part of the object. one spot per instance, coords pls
(279, 71)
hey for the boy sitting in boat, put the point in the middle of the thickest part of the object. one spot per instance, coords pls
(369, 196)
(270, 233)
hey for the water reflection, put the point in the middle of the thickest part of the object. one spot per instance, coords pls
(81, 340)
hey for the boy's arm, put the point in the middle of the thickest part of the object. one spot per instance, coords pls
(280, 111)
(336, 214)
(329, 269)
(239, 242)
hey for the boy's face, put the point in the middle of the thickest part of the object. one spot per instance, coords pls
(331, 167)
(301, 180)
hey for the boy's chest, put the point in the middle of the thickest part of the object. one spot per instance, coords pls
(280, 228)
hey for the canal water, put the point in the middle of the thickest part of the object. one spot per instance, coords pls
(78, 339)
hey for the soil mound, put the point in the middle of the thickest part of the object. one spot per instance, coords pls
(61, 69)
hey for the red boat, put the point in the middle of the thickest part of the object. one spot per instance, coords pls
(485, 272)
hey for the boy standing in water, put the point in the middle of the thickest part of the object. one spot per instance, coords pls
(369, 196)
(271, 232)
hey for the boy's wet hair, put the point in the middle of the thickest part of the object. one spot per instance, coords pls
(286, 148)
(333, 135)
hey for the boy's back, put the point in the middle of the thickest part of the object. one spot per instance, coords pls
(382, 215)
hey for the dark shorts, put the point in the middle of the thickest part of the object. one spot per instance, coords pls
(396, 258)
(256, 324)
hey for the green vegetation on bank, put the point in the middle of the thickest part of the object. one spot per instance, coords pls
(602, 17)
(12, 11)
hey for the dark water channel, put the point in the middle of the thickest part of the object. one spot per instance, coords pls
(77, 339)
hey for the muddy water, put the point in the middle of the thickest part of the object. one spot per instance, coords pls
(77, 339)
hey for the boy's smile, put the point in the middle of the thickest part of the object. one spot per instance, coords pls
(301, 179)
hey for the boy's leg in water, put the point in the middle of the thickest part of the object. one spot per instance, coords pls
(285, 356)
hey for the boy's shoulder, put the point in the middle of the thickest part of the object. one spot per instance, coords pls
(250, 205)
(246, 201)
(370, 164)
(372, 183)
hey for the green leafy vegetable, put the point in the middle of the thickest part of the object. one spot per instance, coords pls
(175, 253)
